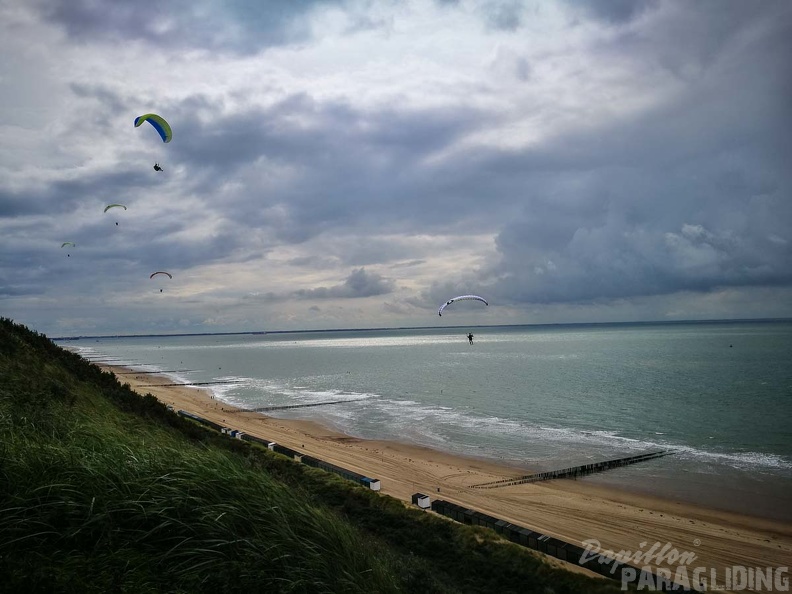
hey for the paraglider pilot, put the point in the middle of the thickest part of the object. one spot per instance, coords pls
(157, 167)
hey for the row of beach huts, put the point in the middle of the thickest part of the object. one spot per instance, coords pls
(517, 534)
(371, 483)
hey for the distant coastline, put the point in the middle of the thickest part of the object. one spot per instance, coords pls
(455, 327)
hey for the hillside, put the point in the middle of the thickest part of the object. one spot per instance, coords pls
(102, 489)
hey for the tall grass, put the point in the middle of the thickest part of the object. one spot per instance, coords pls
(93, 500)
(90, 509)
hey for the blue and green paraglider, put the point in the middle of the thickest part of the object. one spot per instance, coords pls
(158, 122)
(160, 125)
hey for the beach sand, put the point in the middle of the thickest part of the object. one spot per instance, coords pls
(571, 510)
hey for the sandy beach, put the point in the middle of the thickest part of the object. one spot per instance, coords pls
(571, 510)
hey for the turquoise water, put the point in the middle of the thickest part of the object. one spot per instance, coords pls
(718, 394)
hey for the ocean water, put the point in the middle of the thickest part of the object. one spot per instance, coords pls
(538, 397)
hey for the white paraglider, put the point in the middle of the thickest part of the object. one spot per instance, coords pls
(460, 298)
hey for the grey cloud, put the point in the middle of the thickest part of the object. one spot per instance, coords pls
(236, 26)
(691, 196)
(408, 264)
(689, 40)
(613, 11)
(350, 167)
(314, 261)
(505, 15)
(18, 290)
(110, 103)
(615, 261)
(358, 284)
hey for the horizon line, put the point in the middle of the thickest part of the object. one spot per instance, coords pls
(381, 328)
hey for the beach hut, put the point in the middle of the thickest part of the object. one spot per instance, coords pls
(542, 543)
(371, 483)
(233, 432)
(271, 446)
(240, 435)
(421, 500)
(439, 506)
(524, 534)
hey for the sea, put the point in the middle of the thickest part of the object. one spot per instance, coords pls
(718, 395)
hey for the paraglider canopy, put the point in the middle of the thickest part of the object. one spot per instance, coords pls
(460, 298)
(65, 243)
(168, 274)
(160, 125)
(109, 206)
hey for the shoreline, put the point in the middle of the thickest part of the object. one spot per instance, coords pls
(571, 510)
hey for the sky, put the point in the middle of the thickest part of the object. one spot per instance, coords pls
(354, 164)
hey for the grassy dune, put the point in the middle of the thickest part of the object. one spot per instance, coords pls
(104, 490)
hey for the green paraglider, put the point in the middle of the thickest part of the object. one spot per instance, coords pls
(70, 244)
(109, 206)
(159, 124)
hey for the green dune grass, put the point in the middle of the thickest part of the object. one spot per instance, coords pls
(104, 490)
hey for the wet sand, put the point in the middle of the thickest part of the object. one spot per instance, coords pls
(571, 510)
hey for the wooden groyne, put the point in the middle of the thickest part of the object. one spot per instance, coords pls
(285, 406)
(149, 372)
(573, 471)
(190, 384)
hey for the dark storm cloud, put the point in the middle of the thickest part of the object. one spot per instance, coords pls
(303, 130)
(110, 104)
(505, 15)
(358, 284)
(690, 40)
(347, 166)
(97, 188)
(238, 26)
(613, 11)
(10, 289)
(16, 202)
(690, 196)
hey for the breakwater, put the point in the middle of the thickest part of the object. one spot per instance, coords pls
(573, 471)
(151, 372)
(188, 385)
(287, 406)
